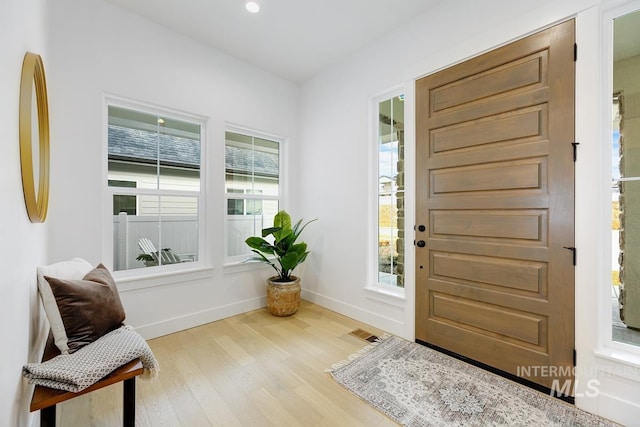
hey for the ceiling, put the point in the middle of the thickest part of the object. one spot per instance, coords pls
(294, 39)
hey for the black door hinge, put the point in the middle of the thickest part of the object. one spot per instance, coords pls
(575, 357)
(575, 150)
(574, 253)
(575, 52)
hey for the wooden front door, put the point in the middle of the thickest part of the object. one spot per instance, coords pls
(495, 198)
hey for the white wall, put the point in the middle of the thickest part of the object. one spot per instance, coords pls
(92, 47)
(334, 130)
(22, 28)
(97, 49)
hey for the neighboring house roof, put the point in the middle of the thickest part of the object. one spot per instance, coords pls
(239, 160)
(140, 146)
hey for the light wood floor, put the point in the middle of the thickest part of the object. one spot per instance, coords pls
(252, 369)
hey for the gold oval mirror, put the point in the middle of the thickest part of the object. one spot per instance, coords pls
(33, 78)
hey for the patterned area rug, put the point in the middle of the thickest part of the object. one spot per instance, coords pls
(417, 386)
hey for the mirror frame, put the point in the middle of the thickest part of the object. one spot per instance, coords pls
(33, 77)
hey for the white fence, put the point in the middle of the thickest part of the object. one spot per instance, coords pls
(239, 227)
(180, 233)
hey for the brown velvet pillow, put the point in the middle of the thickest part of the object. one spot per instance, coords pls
(89, 308)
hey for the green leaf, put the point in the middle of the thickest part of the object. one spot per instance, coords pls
(282, 220)
(299, 248)
(270, 230)
(290, 260)
(259, 244)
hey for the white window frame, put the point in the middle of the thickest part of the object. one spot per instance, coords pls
(238, 261)
(243, 193)
(152, 276)
(610, 349)
(384, 293)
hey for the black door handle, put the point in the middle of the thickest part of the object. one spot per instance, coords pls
(421, 243)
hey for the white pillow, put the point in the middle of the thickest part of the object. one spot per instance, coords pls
(74, 269)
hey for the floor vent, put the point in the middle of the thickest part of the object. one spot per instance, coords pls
(367, 336)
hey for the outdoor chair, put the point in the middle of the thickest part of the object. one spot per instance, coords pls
(166, 255)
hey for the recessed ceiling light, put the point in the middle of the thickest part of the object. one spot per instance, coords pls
(252, 6)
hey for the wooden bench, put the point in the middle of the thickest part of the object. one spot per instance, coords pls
(45, 399)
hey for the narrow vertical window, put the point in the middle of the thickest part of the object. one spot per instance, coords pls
(625, 173)
(390, 142)
(252, 182)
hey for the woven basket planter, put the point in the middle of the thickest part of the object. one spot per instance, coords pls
(283, 298)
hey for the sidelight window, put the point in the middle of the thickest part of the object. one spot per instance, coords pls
(625, 201)
(390, 149)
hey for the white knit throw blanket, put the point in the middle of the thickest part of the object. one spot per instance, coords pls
(77, 371)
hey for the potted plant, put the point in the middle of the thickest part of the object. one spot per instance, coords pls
(283, 255)
(147, 259)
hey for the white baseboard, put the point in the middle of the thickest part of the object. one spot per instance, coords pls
(176, 324)
(617, 409)
(387, 324)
